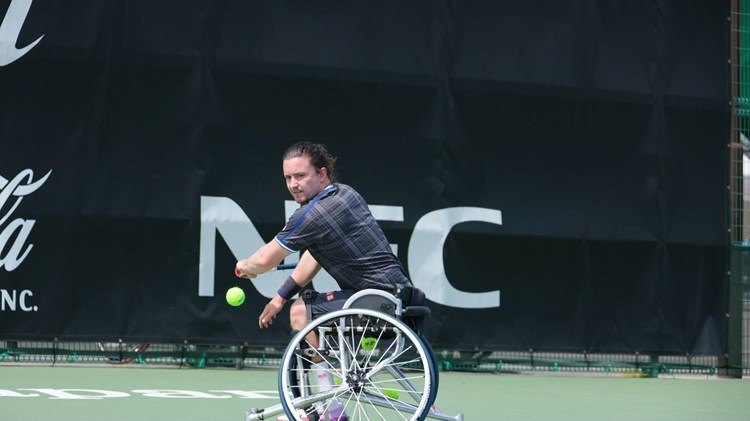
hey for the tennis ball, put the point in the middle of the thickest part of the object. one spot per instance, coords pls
(235, 296)
(368, 344)
(391, 393)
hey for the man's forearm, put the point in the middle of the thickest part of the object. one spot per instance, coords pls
(263, 260)
(255, 264)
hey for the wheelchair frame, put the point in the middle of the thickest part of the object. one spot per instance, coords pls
(386, 370)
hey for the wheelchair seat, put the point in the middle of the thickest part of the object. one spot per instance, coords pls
(405, 303)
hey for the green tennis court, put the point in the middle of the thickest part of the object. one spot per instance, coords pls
(117, 393)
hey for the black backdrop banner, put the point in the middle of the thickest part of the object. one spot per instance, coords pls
(552, 174)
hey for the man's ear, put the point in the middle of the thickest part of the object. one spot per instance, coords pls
(323, 172)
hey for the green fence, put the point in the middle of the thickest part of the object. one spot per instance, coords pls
(244, 356)
(738, 359)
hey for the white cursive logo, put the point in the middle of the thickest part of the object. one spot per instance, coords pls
(12, 193)
(10, 29)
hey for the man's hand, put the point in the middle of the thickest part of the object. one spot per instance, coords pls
(269, 312)
(241, 271)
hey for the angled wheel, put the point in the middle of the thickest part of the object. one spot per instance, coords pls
(382, 370)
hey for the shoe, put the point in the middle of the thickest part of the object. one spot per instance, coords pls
(335, 412)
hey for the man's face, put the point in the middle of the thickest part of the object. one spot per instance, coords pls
(302, 180)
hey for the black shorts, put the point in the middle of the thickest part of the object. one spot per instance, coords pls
(326, 302)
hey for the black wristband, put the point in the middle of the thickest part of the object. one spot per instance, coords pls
(289, 288)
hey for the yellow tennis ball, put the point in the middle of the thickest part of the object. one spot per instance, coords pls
(368, 344)
(391, 393)
(235, 296)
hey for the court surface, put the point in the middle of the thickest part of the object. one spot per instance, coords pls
(120, 393)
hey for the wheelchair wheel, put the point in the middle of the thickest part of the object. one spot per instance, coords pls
(382, 369)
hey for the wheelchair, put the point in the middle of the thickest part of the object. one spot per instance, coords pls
(383, 368)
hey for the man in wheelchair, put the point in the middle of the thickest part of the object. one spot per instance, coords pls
(333, 229)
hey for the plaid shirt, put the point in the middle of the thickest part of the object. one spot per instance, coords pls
(339, 231)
